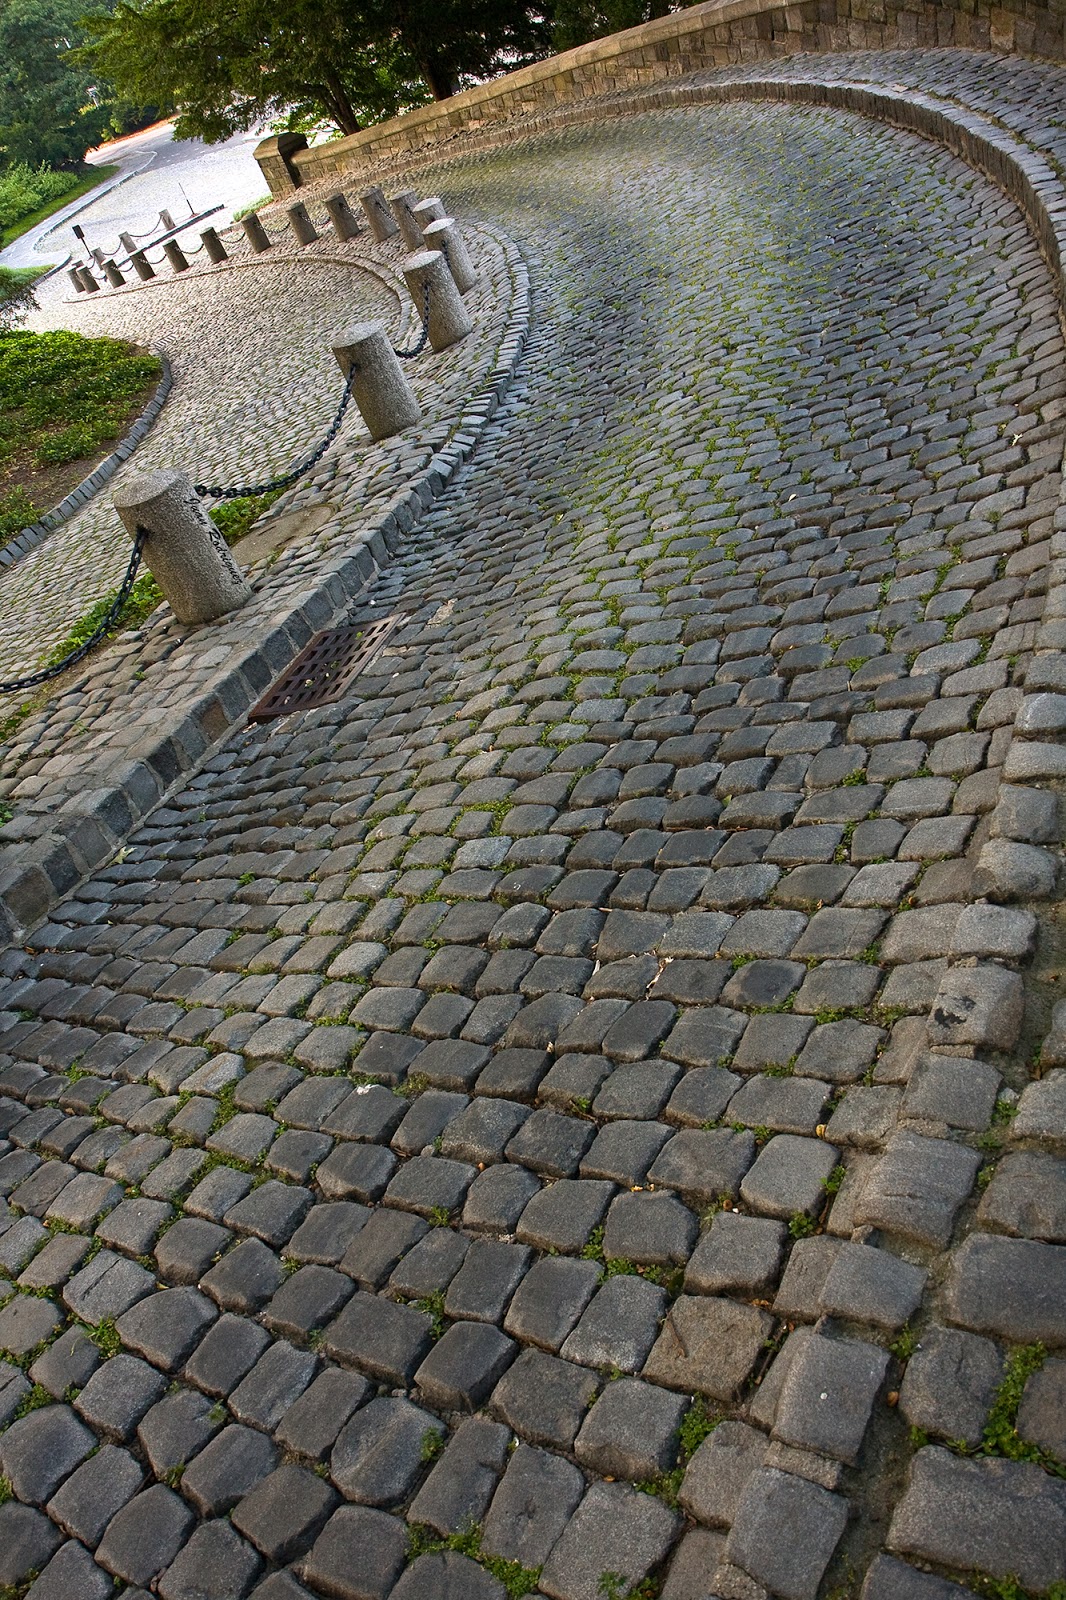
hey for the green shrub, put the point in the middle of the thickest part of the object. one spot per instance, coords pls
(16, 293)
(17, 511)
(25, 189)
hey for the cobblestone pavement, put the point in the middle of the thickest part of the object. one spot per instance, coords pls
(255, 385)
(567, 1120)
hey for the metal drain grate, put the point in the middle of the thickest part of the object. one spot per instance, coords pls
(325, 668)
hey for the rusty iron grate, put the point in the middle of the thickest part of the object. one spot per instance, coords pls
(325, 668)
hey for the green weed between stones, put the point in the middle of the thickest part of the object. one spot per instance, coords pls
(516, 1579)
(1000, 1437)
(696, 1425)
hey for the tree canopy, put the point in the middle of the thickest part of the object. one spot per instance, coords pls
(48, 109)
(227, 64)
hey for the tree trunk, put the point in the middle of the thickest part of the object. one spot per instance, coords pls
(440, 81)
(338, 104)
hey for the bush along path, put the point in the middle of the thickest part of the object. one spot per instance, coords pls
(578, 1117)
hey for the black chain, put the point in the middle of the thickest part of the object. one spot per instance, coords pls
(409, 355)
(114, 611)
(252, 490)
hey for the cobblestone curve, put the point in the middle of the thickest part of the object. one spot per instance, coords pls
(254, 382)
(600, 1058)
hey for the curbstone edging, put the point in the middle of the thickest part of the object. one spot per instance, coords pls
(30, 537)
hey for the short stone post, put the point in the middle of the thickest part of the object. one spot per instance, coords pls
(448, 320)
(427, 211)
(167, 220)
(403, 210)
(128, 243)
(185, 553)
(343, 218)
(445, 237)
(142, 266)
(174, 254)
(88, 281)
(74, 275)
(381, 220)
(113, 275)
(379, 385)
(97, 255)
(301, 224)
(255, 233)
(216, 250)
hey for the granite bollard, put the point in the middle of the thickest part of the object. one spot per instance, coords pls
(184, 551)
(142, 266)
(216, 250)
(255, 233)
(429, 210)
(75, 277)
(344, 220)
(403, 210)
(301, 224)
(113, 275)
(88, 281)
(448, 319)
(444, 235)
(379, 385)
(175, 255)
(382, 222)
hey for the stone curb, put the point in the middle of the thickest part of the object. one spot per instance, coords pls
(86, 831)
(32, 536)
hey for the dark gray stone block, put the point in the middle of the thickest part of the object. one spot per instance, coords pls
(358, 1555)
(461, 1484)
(91, 1496)
(215, 1565)
(284, 1512)
(535, 1500)
(464, 1366)
(118, 1394)
(631, 1431)
(27, 1541)
(310, 1426)
(39, 1450)
(145, 1536)
(792, 1567)
(544, 1399)
(615, 1529)
(380, 1453)
(165, 1328)
(226, 1469)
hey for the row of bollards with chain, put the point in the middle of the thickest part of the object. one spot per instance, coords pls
(163, 511)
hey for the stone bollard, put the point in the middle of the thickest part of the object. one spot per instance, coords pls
(128, 243)
(381, 220)
(74, 275)
(113, 275)
(216, 250)
(184, 551)
(167, 220)
(255, 233)
(427, 211)
(97, 255)
(142, 266)
(445, 237)
(448, 320)
(301, 224)
(402, 209)
(88, 281)
(173, 252)
(345, 223)
(379, 387)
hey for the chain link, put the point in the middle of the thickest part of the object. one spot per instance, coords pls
(409, 355)
(114, 611)
(252, 490)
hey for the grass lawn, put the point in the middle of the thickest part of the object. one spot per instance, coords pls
(63, 400)
(92, 180)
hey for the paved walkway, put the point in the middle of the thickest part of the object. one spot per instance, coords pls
(569, 1119)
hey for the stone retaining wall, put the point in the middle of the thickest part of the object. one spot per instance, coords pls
(716, 34)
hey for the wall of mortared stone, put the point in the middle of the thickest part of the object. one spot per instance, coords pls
(716, 34)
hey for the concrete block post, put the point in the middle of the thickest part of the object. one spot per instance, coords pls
(403, 205)
(379, 385)
(255, 233)
(381, 220)
(427, 211)
(174, 254)
(97, 255)
(216, 250)
(142, 266)
(185, 553)
(301, 224)
(88, 281)
(445, 237)
(113, 275)
(75, 277)
(128, 243)
(448, 319)
(345, 223)
(167, 220)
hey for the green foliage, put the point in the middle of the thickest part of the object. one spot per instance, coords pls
(49, 110)
(517, 1580)
(105, 1337)
(51, 381)
(433, 1306)
(432, 1445)
(1000, 1437)
(16, 295)
(234, 518)
(33, 1400)
(6, 1491)
(24, 189)
(905, 1343)
(831, 1185)
(801, 1226)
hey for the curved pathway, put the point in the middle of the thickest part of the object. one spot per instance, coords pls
(561, 1120)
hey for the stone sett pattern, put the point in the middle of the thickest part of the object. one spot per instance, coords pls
(615, 1020)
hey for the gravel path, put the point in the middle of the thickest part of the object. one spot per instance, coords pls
(567, 1119)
